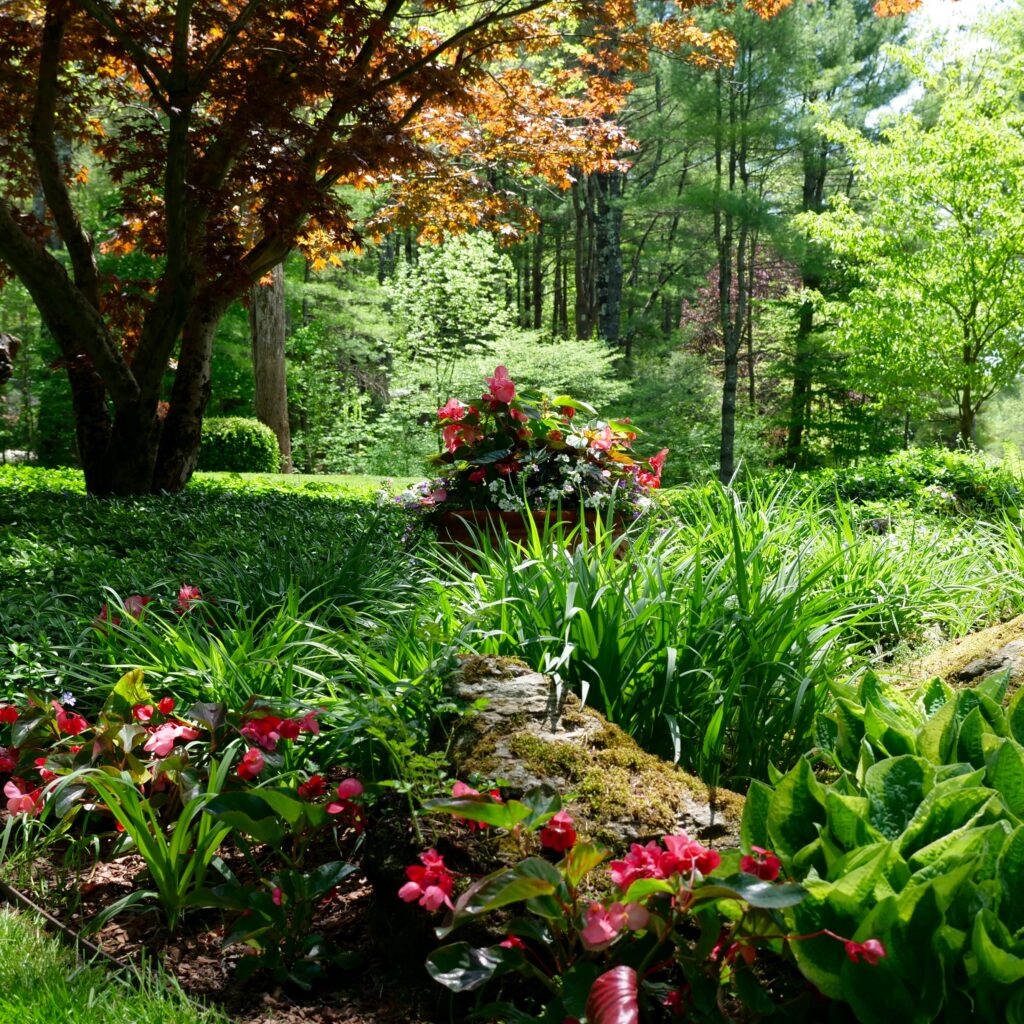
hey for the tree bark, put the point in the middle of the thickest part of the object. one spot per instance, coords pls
(268, 328)
(608, 251)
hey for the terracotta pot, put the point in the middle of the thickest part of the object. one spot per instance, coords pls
(462, 527)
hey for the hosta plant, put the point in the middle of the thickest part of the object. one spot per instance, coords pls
(918, 842)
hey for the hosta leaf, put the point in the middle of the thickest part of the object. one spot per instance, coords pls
(462, 968)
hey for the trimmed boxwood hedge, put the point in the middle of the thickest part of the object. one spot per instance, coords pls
(233, 444)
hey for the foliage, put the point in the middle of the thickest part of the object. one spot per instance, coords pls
(521, 447)
(938, 479)
(936, 305)
(237, 445)
(673, 937)
(918, 842)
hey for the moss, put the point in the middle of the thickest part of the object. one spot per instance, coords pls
(475, 669)
(950, 659)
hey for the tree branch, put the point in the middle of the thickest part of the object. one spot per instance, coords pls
(44, 148)
(74, 322)
(234, 30)
(155, 77)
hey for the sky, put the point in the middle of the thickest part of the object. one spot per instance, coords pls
(950, 14)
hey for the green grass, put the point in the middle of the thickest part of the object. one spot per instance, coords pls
(315, 481)
(41, 983)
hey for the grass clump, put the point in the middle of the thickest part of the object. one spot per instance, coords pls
(41, 983)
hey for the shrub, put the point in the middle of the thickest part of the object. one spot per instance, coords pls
(238, 445)
(936, 478)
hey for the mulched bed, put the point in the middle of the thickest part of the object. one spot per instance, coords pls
(377, 988)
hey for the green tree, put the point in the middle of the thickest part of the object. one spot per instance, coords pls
(939, 303)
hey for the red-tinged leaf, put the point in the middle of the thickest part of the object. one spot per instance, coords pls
(613, 998)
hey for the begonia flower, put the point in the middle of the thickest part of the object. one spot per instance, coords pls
(8, 714)
(870, 951)
(313, 788)
(762, 863)
(135, 605)
(640, 862)
(187, 597)
(502, 388)
(289, 729)
(142, 712)
(689, 855)
(165, 705)
(21, 799)
(8, 760)
(347, 791)
(68, 722)
(513, 942)
(429, 885)
(558, 834)
(308, 723)
(251, 765)
(44, 773)
(164, 736)
(453, 409)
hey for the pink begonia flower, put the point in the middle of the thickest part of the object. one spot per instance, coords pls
(605, 923)
(461, 789)
(513, 942)
(308, 723)
(435, 497)
(104, 617)
(21, 799)
(452, 410)
(870, 952)
(429, 885)
(166, 705)
(8, 714)
(135, 605)
(689, 855)
(142, 712)
(517, 414)
(503, 389)
(67, 721)
(251, 765)
(558, 834)
(603, 441)
(44, 773)
(640, 862)
(275, 896)
(347, 791)
(8, 760)
(762, 863)
(264, 731)
(452, 436)
(187, 597)
(164, 736)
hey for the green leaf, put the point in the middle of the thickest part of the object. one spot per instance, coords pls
(995, 686)
(482, 809)
(752, 890)
(641, 888)
(210, 715)
(995, 965)
(528, 879)
(128, 691)
(462, 968)
(1010, 873)
(895, 787)
(936, 737)
(754, 826)
(248, 813)
(937, 693)
(582, 859)
(544, 802)
(797, 811)
(1015, 715)
(1005, 773)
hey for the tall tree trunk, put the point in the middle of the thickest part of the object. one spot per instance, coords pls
(537, 278)
(608, 251)
(268, 329)
(182, 430)
(803, 369)
(583, 210)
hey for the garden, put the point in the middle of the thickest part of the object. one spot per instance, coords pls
(511, 512)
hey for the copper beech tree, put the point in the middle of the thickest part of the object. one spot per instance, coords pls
(227, 130)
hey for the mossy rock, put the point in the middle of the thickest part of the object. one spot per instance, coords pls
(528, 734)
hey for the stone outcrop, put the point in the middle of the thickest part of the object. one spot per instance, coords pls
(970, 659)
(528, 733)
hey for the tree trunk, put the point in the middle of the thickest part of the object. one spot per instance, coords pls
(537, 278)
(608, 251)
(182, 429)
(800, 399)
(267, 324)
(583, 209)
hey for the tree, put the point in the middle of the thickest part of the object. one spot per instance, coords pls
(939, 306)
(228, 128)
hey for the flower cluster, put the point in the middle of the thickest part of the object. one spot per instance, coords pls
(135, 607)
(431, 884)
(519, 447)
